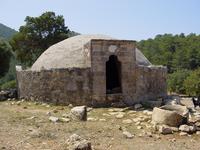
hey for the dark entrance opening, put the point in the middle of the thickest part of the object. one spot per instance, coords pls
(113, 75)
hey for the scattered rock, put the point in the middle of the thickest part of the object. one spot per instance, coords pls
(137, 106)
(147, 112)
(149, 134)
(35, 133)
(165, 129)
(120, 116)
(183, 134)
(121, 128)
(53, 119)
(18, 103)
(173, 140)
(137, 123)
(187, 129)
(89, 109)
(111, 110)
(105, 115)
(79, 113)
(136, 120)
(103, 120)
(70, 106)
(127, 135)
(171, 115)
(197, 124)
(91, 119)
(139, 127)
(48, 113)
(131, 112)
(188, 102)
(75, 142)
(65, 115)
(113, 113)
(157, 137)
(65, 119)
(174, 129)
(55, 111)
(127, 121)
(198, 132)
(31, 118)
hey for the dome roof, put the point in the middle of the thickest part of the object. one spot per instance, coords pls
(69, 53)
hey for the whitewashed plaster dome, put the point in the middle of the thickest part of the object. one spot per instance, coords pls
(70, 53)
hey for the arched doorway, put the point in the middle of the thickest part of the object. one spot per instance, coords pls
(113, 75)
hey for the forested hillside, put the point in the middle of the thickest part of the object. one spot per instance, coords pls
(174, 51)
(6, 32)
(181, 55)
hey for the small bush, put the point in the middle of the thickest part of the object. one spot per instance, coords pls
(175, 81)
(192, 83)
(9, 85)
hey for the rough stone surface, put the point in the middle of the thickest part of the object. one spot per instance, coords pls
(53, 119)
(80, 78)
(171, 115)
(79, 113)
(8, 94)
(187, 128)
(165, 129)
(137, 106)
(183, 134)
(127, 135)
(188, 102)
(75, 142)
(127, 121)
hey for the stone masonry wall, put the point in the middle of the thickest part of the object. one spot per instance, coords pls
(151, 82)
(125, 52)
(63, 86)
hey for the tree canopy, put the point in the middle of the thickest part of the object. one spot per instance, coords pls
(192, 84)
(37, 35)
(174, 51)
(5, 55)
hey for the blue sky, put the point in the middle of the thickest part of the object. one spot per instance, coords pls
(123, 19)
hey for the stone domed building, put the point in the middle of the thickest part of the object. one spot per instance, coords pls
(92, 70)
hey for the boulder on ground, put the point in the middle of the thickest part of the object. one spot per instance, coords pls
(171, 115)
(188, 102)
(163, 129)
(79, 113)
(187, 128)
(75, 142)
(172, 100)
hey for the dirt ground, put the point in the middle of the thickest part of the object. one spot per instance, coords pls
(25, 126)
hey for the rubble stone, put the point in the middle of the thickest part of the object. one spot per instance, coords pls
(171, 115)
(79, 113)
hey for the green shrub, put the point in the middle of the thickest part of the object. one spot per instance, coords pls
(9, 85)
(175, 81)
(192, 83)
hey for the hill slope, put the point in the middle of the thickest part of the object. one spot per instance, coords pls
(6, 32)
